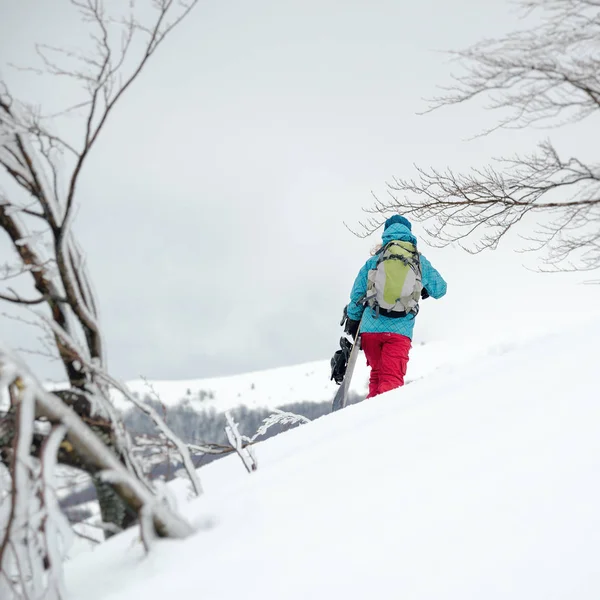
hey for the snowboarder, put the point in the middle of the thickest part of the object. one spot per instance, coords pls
(387, 290)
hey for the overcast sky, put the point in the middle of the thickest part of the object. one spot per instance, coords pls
(212, 210)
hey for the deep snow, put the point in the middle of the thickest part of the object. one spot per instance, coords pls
(477, 481)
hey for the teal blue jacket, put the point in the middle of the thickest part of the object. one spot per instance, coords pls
(371, 323)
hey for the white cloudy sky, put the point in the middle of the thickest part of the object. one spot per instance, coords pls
(228, 171)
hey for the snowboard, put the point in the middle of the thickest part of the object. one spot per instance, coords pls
(341, 396)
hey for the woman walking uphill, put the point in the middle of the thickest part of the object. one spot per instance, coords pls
(385, 295)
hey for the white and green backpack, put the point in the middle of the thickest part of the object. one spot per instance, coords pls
(394, 285)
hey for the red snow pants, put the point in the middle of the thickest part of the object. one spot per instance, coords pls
(387, 355)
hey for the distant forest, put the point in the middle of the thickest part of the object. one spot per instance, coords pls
(196, 425)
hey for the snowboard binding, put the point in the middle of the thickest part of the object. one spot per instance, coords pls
(339, 361)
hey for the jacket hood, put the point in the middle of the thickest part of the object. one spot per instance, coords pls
(400, 232)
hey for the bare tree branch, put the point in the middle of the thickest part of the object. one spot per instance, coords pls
(89, 445)
(46, 168)
(241, 445)
(16, 299)
(106, 74)
(547, 76)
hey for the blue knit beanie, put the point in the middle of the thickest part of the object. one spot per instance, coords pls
(398, 219)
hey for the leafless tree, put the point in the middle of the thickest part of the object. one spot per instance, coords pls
(544, 76)
(34, 531)
(40, 171)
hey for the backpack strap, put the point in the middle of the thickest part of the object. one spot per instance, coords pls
(394, 315)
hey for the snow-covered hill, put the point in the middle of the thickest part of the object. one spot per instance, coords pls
(477, 481)
(309, 382)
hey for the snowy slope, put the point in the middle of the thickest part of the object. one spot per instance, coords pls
(479, 481)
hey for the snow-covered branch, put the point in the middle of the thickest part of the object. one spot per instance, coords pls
(278, 417)
(240, 444)
(162, 427)
(34, 514)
